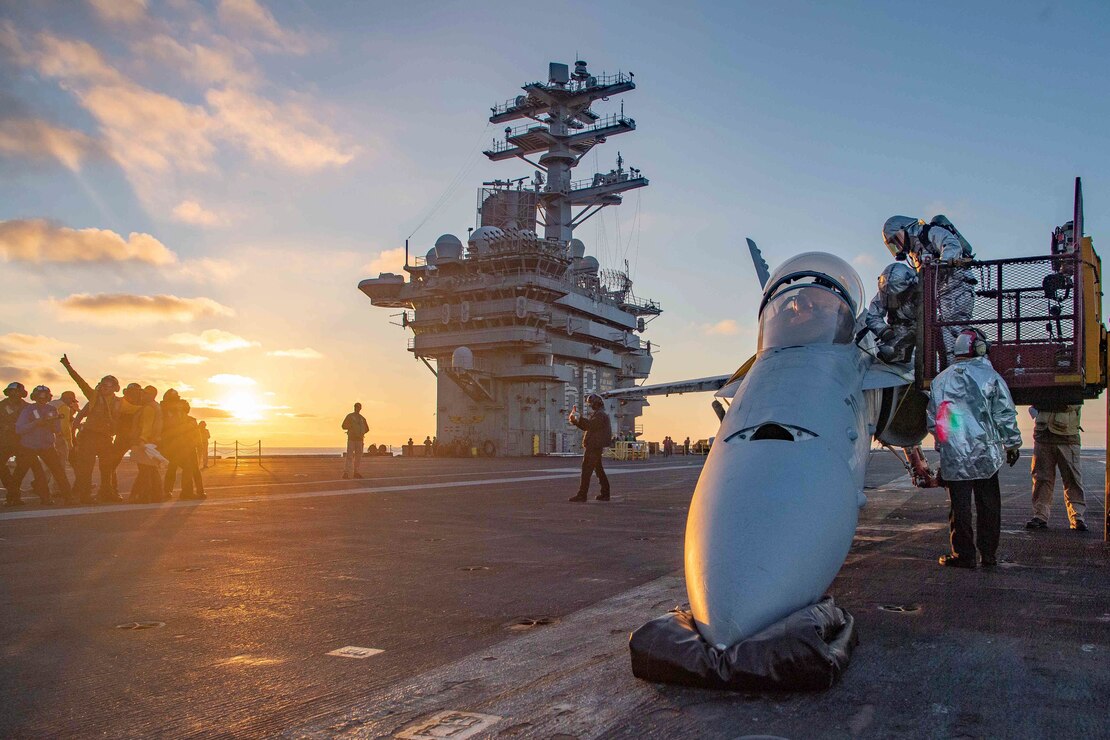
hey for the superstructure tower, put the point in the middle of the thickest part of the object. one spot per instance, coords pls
(521, 327)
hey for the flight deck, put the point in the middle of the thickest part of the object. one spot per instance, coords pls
(489, 595)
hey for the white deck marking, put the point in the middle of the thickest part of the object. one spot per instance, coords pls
(450, 725)
(353, 651)
(109, 508)
(570, 678)
(349, 481)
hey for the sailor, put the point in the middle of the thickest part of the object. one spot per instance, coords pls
(892, 314)
(599, 435)
(37, 427)
(938, 240)
(94, 442)
(10, 408)
(1056, 445)
(973, 419)
(356, 427)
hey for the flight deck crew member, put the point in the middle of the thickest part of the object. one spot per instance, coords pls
(973, 419)
(892, 313)
(356, 428)
(599, 435)
(10, 408)
(67, 407)
(94, 441)
(1056, 445)
(938, 240)
(202, 444)
(37, 426)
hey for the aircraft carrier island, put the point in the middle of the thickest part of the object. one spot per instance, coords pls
(518, 327)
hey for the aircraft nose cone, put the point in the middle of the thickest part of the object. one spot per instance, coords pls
(770, 524)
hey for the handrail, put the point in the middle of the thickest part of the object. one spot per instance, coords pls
(239, 449)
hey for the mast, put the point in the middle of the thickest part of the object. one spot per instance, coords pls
(564, 129)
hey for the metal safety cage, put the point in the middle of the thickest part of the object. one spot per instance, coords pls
(1030, 309)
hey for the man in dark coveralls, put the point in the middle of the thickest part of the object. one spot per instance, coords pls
(599, 435)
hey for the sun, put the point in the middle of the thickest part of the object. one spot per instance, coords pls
(242, 405)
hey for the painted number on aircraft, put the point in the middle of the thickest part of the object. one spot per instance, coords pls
(449, 724)
(352, 651)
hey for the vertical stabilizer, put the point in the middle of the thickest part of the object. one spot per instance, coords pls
(761, 270)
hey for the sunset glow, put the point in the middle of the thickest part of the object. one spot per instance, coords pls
(243, 406)
(190, 198)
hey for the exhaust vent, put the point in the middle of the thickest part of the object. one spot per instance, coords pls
(773, 431)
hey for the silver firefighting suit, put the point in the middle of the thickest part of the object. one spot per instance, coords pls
(892, 313)
(920, 242)
(973, 419)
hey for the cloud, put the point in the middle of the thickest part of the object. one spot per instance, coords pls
(36, 139)
(40, 241)
(32, 342)
(212, 340)
(206, 270)
(149, 133)
(388, 260)
(163, 359)
(30, 358)
(22, 358)
(202, 64)
(32, 376)
(286, 134)
(124, 309)
(725, 327)
(157, 138)
(865, 259)
(233, 380)
(206, 412)
(120, 11)
(297, 354)
(249, 17)
(191, 212)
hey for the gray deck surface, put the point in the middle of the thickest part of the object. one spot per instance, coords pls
(439, 562)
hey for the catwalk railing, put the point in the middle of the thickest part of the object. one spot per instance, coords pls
(236, 450)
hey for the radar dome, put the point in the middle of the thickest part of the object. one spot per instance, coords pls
(483, 236)
(448, 249)
(462, 358)
(447, 241)
(577, 249)
(586, 264)
(432, 257)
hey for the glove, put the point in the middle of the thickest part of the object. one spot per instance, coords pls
(886, 335)
(1012, 456)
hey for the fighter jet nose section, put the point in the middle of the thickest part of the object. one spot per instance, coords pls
(769, 526)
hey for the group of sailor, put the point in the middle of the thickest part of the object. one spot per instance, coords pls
(161, 438)
(971, 412)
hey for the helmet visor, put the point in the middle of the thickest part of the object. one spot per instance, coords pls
(896, 244)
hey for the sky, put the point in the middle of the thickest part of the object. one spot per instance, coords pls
(191, 191)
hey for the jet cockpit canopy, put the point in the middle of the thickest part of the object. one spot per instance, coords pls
(812, 298)
(809, 267)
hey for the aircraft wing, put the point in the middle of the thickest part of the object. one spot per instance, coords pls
(728, 390)
(724, 385)
(697, 385)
